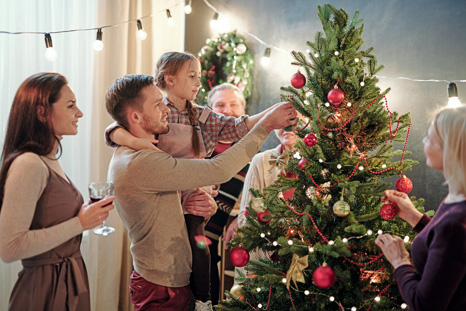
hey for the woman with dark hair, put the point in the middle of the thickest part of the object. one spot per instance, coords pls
(42, 215)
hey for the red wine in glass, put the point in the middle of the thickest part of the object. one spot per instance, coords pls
(95, 199)
(97, 192)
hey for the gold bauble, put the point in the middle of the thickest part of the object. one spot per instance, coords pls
(237, 292)
(341, 208)
(257, 205)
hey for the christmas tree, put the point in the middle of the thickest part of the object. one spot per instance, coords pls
(226, 58)
(317, 223)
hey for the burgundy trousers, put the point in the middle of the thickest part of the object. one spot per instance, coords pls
(147, 296)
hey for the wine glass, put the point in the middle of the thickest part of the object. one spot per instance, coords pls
(98, 191)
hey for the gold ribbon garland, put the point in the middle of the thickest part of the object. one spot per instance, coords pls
(295, 272)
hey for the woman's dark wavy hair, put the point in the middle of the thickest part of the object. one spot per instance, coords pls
(26, 132)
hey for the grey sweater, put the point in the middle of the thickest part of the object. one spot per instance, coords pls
(146, 188)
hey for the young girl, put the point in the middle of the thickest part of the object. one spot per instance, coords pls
(194, 133)
(42, 213)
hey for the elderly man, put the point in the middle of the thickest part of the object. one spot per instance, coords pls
(228, 100)
(147, 184)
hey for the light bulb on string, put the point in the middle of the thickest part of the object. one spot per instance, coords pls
(170, 19)
(453, 101)
(214, 21)
(265, 60)
(141, 33)
(98, 44)
(188, 8)
(223, 24)
(50, 52)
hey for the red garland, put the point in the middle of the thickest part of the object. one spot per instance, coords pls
(312, 219)
(383, 291)
(365, 263)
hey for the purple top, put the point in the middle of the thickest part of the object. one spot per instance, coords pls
(437, 278)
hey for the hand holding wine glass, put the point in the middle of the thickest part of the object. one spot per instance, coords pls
(98, 191)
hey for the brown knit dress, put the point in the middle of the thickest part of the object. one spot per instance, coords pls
(55, 280)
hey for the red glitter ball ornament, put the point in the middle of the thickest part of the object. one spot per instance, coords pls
(298, 80)
(336, 96)
(261, 217)
(404, 184)
(310, 140)
(239, 256)
(324, 277)
(389, 211)
(303, 163)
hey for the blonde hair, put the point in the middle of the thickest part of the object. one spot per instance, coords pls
(169, 64)
(450, 129)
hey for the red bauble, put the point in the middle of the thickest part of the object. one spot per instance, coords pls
(288, 194)
(336, 96)
(246, 213)
(261, 217)
(324, 277)
(239, 257)
(310, 139)
(404, 184)
(290, 175)
(298, 80)
(389, 210)
(275, 257)
(303, 163)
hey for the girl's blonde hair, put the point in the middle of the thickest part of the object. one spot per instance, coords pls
(169, 64)
(450, 128)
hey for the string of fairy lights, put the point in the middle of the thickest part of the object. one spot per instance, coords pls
(219, 22)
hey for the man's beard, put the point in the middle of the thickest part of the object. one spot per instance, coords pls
(152, 127)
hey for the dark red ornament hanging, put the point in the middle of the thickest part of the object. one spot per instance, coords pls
(303, 163)
(298, 80)
(324, 277)
(310, 139)
(335, 96)
(288, 194)
(404, 184)
(275, 257)
(389, 210)
(239, 257)
(261, 217)
(289, 175)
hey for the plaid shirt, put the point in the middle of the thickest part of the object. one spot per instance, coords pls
(217, 126)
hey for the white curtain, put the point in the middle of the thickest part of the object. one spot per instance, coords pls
(90, 73)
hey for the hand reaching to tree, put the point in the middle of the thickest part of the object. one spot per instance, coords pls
(408, 211)
(394, 249)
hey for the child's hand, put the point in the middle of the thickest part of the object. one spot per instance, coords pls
(137, 143)
(122, 137)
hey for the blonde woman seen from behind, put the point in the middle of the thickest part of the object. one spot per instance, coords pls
(434, 278)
